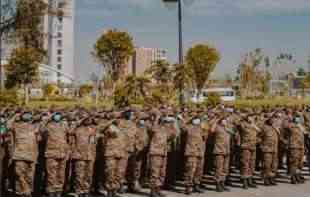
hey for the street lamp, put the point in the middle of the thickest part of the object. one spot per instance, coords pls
(180, 27)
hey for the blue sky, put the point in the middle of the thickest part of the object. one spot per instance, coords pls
(233, 26)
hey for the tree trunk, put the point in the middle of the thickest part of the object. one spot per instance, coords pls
(26, 94)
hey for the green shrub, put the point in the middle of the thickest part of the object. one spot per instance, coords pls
(9, 97)
(213, 99)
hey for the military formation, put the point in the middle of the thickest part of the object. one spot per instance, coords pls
(110, 152)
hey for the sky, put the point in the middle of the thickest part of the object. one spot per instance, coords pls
(234, 27)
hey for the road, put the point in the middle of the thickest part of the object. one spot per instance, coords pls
(284, 189)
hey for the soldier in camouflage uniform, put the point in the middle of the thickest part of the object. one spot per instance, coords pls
(296, 149)
(194, 156)
(141, 141)
(115, 151)
(25, 137)
(248, 133)
(83, 156)
(160, 137)
(222, 153)
(56, 154)
(269, 146)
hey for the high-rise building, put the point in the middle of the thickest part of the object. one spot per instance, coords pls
(60, 42)
(143, 58)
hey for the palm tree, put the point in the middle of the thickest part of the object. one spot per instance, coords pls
(181, 79)
(160, 71)
(136, 86)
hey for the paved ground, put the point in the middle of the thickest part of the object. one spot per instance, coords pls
(284, 189)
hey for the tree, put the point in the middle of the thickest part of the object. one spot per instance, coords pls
(85, 90)
(161, 72)
(202, 60)
(113, 50)
(22, 68)
(181, 79)
(50, 90)
(301, 72)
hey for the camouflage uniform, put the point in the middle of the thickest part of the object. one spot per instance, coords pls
(56, 155)
(248, 149)
(296, 148)
(83, 156)
(269, 147)
(25, 151)
(115, 151)
(158, 156)
(222, 154)
(194, 155)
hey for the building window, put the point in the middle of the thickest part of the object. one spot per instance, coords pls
(59, 66)
(60, 19)
(59, 43)
(59, 59)
(59, 52)
(59, 35)
(59, 27)
(58, 75)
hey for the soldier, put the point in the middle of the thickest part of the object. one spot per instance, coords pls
(25, 137)
(248, 132)
(115, 151)
(194, 156)
(83, 156)
(269, 146)
(129, 127)
(141, 141)
(296, 149)
(158, 153)
(222, 153)
(56, 154)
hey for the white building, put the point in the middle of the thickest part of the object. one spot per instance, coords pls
(143, 58)
(60, 42)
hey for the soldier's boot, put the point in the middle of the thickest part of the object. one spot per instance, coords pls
(293, 180)
(197, 189)
(134, 188)
(110, 194)
(298, 178)
(160, 193)
(188, 190)
(58, 194)
(273, 181)
(153, 193)
(251, 183)
(267, 182)
(51, 194)
(226, 189)
(301, 179)
(121, 189)
(219, 187)
(245, 183)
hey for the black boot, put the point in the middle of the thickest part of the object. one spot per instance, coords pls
(197, 189)
(160, 194)
(226, 189)
(273, 181)
(267, 182)
(121, 189)
(293, 179)
(299, 179)
(245, 184)
(111, 194)
(251, 183)
(228, 182)
(188, 190)
(219, 187)
(134, 188)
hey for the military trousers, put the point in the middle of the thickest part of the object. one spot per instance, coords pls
(55, 174)
(158, 171)
(113, 173)
(248, 160)
(221, 167)
(193, 170)
(134, 168)
(24, 177)
(270, 164)
(123, 167)
(83, 176)
(296, 161)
